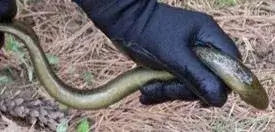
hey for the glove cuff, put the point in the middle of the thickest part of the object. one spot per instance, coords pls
(92, 6)
(77, 1)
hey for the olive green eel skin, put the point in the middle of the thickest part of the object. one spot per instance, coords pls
(231, 71)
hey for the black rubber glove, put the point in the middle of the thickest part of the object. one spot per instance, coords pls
(161, 37)
(8, 10)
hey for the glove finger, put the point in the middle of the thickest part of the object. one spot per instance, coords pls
(211, 33)
(188, 68)
(2, 39)
(160, 92)
(8, 10)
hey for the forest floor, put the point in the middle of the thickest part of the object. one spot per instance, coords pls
(83, 57)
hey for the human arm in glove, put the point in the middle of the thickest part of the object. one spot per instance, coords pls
(8, 11)
(159, 36)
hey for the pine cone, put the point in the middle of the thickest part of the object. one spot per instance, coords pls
(45, 113)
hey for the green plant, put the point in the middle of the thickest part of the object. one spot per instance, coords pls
(88, 77)
(226, 2)
(63, 126)
(83, 126)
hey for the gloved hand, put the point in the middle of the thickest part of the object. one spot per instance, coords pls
(161, 37)
(8, 10)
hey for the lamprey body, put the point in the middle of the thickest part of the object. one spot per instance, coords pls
(232, 72)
